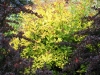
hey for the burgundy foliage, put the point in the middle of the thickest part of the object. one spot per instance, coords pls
(11, 63)
(87, 51)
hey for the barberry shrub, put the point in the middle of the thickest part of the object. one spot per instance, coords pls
(85, 59)
(11, 63)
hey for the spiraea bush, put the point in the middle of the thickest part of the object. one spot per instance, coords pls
(58, 24)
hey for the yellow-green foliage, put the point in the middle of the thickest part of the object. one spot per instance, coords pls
(57, 24)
